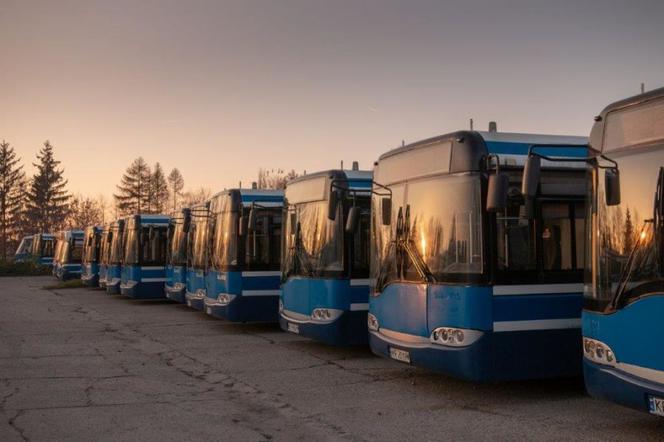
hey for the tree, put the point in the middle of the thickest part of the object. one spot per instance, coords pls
(48, 200)
(274, 178)
(11, 178)
(628, 239)
(84, 212)
(158, 198)
(191, 198)
(134, 188)
(176, 183)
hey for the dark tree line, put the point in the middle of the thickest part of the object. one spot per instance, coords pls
(38, 204)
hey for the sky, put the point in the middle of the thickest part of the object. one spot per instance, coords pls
(220, 89)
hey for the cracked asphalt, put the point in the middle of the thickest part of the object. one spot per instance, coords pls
(78, 364)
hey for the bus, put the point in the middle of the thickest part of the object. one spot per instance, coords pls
(143, 265)
(90, 261)
(325, 256)
(242, 283)
(68, 255)
(176, 259)
(198, 244)
(105, 239)
(624, 297)
(116, 255)
(43, 248)
(469, 277)
(24, 249)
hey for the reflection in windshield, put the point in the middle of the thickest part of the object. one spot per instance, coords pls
(435, 233)
(313, 243)
(178, 245)
(117, 250)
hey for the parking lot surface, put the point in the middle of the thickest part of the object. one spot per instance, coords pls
(78, 364)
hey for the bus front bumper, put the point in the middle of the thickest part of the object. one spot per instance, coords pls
(239, 308)
(90, 280)
(176, 292)
(612, 384)
(142, 290)
(349, 328)
(196, 300)
(113, 286)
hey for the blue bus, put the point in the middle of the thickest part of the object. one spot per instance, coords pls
(176, 258)
(143, 266)
(198, 244)
(105, 239)
(325, 263)
(43, 248)
(242, 283)
(623, 316)
(469, 278)
(24, 249)
(90, 261)
(68, 255)
(116, 255)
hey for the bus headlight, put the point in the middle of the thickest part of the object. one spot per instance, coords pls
(598, 352)
(372, 322)
(225, 298)
(325, 314)
(455, 337)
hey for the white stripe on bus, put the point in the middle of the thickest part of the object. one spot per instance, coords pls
(538, 324)
(261, 273)
(152, 268)
(360, 306)
(359, 281)
(261, 292)
(153, 279)
(536, 289)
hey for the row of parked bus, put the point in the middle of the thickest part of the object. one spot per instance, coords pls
(464, 253)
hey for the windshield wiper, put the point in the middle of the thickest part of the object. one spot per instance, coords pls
(418, 261)
(630, 266)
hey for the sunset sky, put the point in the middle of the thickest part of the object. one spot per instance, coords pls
(221, 88)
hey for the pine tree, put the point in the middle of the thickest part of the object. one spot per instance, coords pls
(176, 183)
(158, 190)
(11, 178)
(134, 188)
(628, 239)
(48, 200)
(85, 212)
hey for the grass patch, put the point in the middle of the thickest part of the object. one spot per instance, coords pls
(71, 284)
(10, 268)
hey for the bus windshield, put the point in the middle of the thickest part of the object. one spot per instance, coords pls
(105, 246)
(313, 243)
(178, 245)
(197, 242)
(117, 250)
(25, 246)
(435, 234)
(91, 248)
(145, 245)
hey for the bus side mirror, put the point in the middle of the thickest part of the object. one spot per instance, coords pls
(386, 210)
(353, 219)
(496, 198)
(612, 187)
(251, 224)
(531, 176)
(333, 202)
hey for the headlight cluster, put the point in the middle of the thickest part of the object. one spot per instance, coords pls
(448, 336)
(322, 314)
(178, 286)
(598, 351)
(372, 322)
(225, 298)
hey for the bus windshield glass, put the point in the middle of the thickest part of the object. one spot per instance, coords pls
(263, 244)
(225, 248)
(435, 234)
(91, 249)
(117, 250)
(313, 243)
(198, 240)
(178, 246)
(146, 245)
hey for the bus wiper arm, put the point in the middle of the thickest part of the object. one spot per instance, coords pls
(629, 268)
(418, 261)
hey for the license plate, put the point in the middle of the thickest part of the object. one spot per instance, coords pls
(400, 355)
(293, 328)
(209, 310)
(188, 302)
(656, 405)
